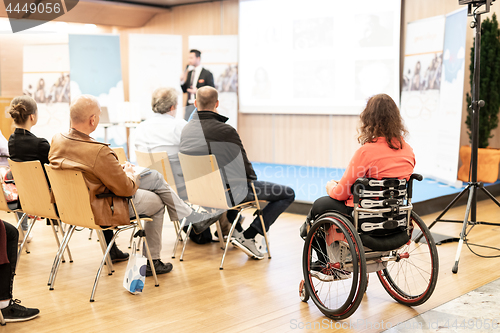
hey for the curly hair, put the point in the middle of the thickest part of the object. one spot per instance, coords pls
(381, 118)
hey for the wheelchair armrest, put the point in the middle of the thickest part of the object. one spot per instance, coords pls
(359, 185)
(410, 183)
(110, 195)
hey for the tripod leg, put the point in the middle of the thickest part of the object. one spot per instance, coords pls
(491, 196)
(448, 207)
(464, 228)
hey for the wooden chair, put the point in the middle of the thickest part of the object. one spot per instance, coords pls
(120, 153)
(159, 161)
(206, 188)
(13, 207)
(73, 203)
(35, 197)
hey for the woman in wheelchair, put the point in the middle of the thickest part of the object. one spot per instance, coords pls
(383, 154)
(343, 243)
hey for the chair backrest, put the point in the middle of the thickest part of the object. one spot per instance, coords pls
(3, 203)
(157, 161)
(120, 153)
(72, 197)
(203, 180)
(33, 189)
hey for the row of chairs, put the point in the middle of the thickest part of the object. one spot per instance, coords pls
(205, 188)
(73, 208)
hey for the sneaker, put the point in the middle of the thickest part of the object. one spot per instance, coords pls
(248, 246)
(15, 312)
(160, 267)
(202, 221)
(328, 272)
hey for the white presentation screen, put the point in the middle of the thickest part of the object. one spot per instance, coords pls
(317, 56)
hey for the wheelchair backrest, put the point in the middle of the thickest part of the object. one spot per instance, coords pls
(381, 206)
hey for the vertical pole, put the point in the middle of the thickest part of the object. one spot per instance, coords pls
(475, 113)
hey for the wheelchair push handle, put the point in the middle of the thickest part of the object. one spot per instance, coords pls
(410, 183)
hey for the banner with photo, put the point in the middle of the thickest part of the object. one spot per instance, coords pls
(219, 55)
(95, 65)
(46, 78)
(420, 97)
(154, 61)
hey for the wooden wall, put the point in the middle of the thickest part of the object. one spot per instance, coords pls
(314, 140)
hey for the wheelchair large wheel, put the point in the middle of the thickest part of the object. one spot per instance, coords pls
(334, 266)
(411, 279)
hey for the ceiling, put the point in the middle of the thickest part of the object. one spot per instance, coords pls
(161, 3)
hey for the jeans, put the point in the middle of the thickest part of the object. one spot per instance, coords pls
(279, 197)
(7, 271)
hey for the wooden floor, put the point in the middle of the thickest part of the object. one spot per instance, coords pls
(247, 296)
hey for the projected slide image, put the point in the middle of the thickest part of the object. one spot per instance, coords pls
(47, 87)
(374, 77)
(423, 72)
(375, 30)
(313, 33)
(313, 80)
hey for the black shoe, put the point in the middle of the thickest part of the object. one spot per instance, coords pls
(160, 267)
(15, 312)
(117, 255)
(202, 221)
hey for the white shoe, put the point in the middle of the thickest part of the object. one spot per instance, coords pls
(248, 246)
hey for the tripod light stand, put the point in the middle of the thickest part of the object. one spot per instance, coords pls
(473, 186)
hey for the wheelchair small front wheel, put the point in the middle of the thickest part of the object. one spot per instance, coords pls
(334, 266)
(303, 294)
(411, 279)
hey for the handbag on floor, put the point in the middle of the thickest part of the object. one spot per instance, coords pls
(135, 274)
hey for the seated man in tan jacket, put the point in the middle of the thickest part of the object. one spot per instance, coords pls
(103, 173)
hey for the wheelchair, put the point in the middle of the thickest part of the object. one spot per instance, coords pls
(384, 235)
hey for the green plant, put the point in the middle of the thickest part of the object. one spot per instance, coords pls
(489, 88)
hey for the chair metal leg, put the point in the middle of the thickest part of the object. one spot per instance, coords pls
(30, 227)
(105, 253)
(221, 236)
(18, 227)
(186, 241)
(257, 203)
(105, 258)
(2, 320)
(56, 237)
(131, 239)
(61, 230)
(90, 235)
(233, 226)
(143, 233)
(265, 236)
(57, 259)
(178, 237)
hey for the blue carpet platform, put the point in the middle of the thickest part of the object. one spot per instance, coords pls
(429, 196)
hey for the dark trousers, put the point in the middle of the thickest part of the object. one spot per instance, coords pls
(319, 207)
(7, 271)
(325, 204)
(279, 197)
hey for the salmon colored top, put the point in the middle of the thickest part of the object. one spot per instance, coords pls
(374, 160)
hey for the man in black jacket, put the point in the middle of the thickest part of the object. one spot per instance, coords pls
(194, 79)
(207, 133)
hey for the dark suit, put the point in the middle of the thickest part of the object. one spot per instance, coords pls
(205, 79)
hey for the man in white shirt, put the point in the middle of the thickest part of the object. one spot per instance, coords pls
(193, 78)
(162, 132)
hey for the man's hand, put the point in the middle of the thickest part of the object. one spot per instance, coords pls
(128, 168)
(330, 185)
(192, 90)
